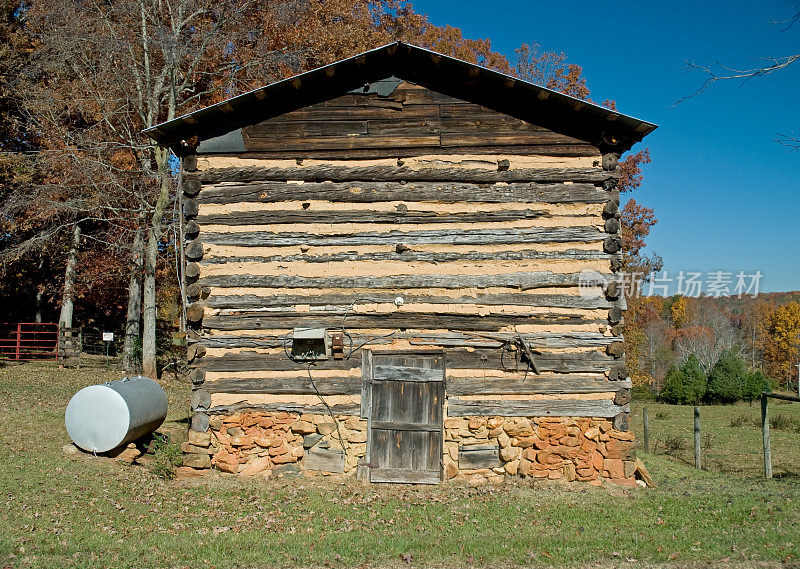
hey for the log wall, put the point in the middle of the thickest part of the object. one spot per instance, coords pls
(482, 223)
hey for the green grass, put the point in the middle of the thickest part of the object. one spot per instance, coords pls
(60, 510)
(731, 437)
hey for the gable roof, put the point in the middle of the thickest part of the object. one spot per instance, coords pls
(473, 83)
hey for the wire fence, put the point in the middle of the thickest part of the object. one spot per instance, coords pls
(729, 437)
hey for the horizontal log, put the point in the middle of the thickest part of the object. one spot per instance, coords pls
(603, 408)
(347, 409)
(243, 302)
(431, 140)
(523, 281)
(387, 173)
(445, 340)
(488, 359)
(370, 192)
(425, 236)
(361, 216)
(555, 150)
(284, 320)
(417, 256)
(455, 386)
(531, 385)
(300, 385)
(404, 476)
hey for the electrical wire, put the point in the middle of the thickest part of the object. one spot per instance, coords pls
(328, 407)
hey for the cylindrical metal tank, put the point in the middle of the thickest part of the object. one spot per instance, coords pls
(99, 418)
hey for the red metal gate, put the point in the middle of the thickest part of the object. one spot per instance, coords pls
(25, 341)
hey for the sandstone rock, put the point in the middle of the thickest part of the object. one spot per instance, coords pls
(298, 452)
(278, 450)
(263, 442)
(129, 454)
(184, 472)
(186, 448)
(242, 441)
(199, 439)
(568, 471)
(303, 428)
(529, 454)
(642, 473)
(476, 423)
(597, 461)
(326, 428)
(592, 433)
(518, 428)
(453, 423)
(570, 441)
(495, 432)
(629, 482)
(234, 431)
(503, 439)
(450, 469)
(619, 449)
(197, 460)
(231, 419)
(525, 467)
(476, 480)
(215, 423)
(554, 474)
(585, 472)
(621, 435)
(512, 467)
(284, 458)
(613, 468)
(628, 468)
(255, 467)
(524, 442)
(226, 463)
(540, 443)
(70, 449)
(357, 437)
(605, 426)
(494, 422)
(509, 453)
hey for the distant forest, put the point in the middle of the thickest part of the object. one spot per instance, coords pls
(762, 333)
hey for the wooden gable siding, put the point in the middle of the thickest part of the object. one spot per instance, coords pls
(410, 120)
(482, 245)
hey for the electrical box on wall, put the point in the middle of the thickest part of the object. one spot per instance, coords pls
(310, 344)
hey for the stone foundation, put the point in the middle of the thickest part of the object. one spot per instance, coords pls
(251, 443)
(570, 449)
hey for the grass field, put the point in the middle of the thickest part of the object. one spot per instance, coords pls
(61, 510)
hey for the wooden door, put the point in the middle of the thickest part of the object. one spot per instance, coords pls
(404, 395)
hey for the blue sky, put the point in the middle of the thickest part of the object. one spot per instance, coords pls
(724, 191)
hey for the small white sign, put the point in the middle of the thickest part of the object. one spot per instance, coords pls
(108, 336)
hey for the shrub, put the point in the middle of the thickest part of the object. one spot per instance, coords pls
(167, 455)
(755, 384)
(675, 444)
(726, 382)
(685, 385)
(740, 421)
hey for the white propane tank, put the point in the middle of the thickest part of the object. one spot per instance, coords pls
(100, 418)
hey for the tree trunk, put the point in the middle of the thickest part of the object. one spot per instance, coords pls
(68, 299)
(149, 364)
(131, 359)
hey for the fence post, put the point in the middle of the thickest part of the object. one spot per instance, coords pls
(697, 438)
(765, 435)
(19, 336)
(646, 424)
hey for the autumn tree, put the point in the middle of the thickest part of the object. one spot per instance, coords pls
(781, 349)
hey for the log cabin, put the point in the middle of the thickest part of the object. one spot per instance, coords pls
(405, 267)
